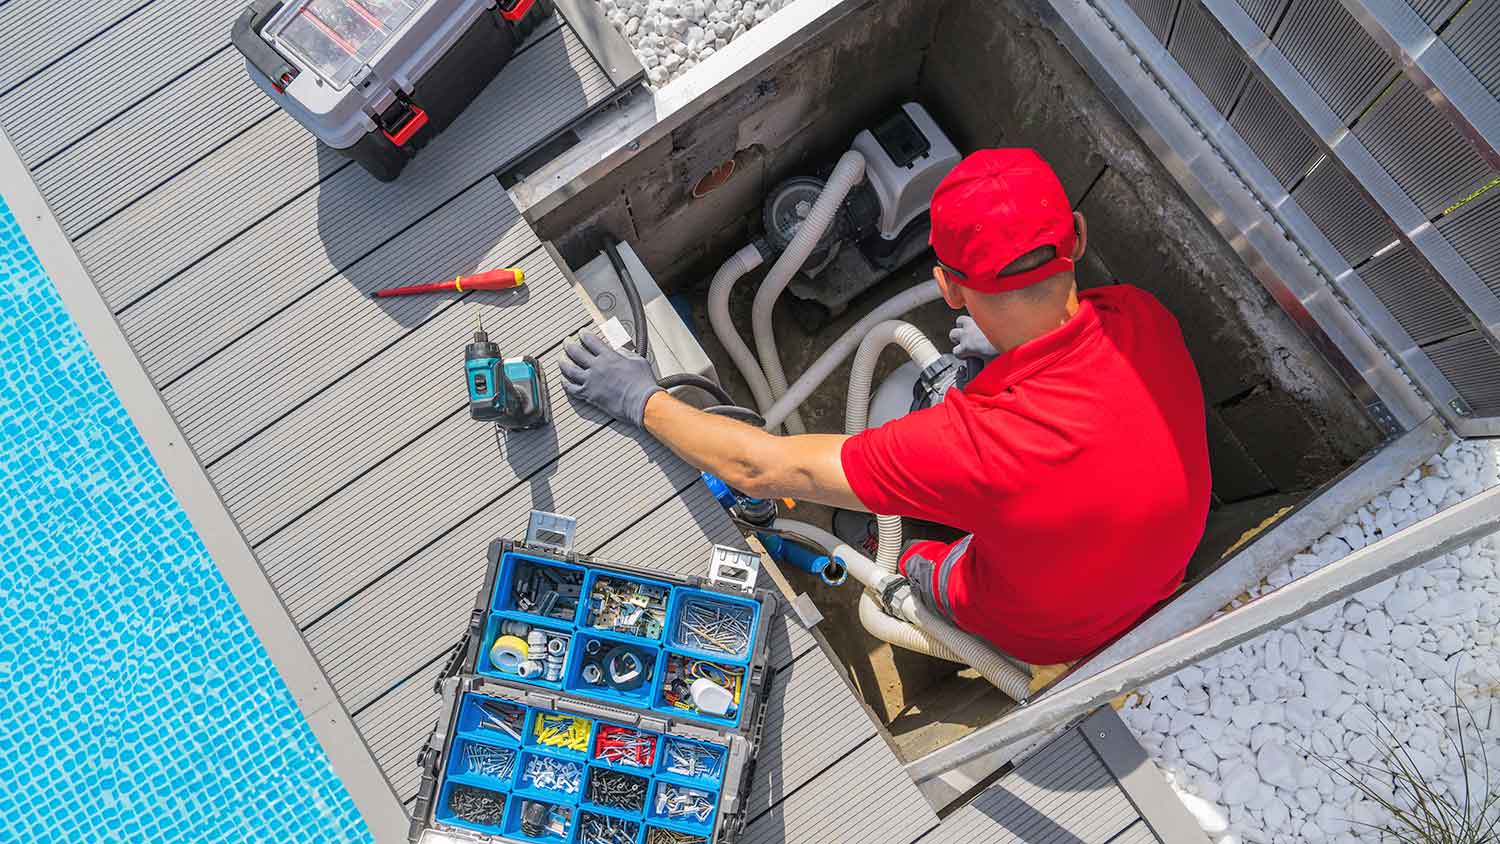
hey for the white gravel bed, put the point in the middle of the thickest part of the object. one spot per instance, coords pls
(672, 36)
(1238, 734)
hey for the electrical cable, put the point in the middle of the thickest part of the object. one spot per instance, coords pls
(632, 295)
(737, 413)
(690, 379)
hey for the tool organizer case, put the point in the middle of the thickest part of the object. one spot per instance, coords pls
(476, 765)
(376, 80)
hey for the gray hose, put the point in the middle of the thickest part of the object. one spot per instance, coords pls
(843, 347)
(691, 379)
(633, 296)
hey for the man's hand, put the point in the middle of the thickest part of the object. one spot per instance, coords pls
(969, 342)
(617, 383)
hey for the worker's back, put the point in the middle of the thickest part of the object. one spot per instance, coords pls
(1079, 463)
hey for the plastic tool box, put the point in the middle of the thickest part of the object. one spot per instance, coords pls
(376, 79)
(588, 759)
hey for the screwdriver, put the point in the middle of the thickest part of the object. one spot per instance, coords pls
(501, 279)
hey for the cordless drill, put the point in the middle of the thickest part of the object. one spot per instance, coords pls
(511, 392)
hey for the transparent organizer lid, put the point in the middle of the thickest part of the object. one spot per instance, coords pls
(335, 38)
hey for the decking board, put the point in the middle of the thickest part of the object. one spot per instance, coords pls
(343, 543)
(139, 150)
(400, 621)
(39, 32)
(236, 253)
(237, 188)
(386, 403)
(112, 73)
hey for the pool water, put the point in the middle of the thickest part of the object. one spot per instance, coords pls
(136, 704)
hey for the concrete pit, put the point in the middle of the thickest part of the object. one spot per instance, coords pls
(1280, 420)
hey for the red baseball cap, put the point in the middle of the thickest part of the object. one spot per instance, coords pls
(994, 207)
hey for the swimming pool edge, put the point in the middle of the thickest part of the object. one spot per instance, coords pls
(348, 755)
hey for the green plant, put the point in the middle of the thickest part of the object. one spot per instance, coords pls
(1421, 811)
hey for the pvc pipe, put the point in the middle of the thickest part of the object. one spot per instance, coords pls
(844, 346)
(741, 262)
(850, 171)
(970, 650)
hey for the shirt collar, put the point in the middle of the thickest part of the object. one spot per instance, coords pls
(1017, 364)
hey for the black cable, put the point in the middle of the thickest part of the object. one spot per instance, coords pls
(690, 379)
(737, 413)
(637, 310)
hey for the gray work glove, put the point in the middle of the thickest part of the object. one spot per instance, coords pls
(969, 342)
(618, 383)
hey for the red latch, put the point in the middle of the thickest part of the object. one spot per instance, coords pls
(517, 9)
(416, 118)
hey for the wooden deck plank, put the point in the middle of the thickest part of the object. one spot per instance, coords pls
(137, 151)
(399, 622)
(865, 796)
(34, 33)
(110, 74)
(236, 191)
(327, 554)
(387, 403)
(1063, 793)
(335, 327)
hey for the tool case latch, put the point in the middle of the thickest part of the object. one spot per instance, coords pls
(551, 530)
(245, 36)
(733, 567)
(401, 120)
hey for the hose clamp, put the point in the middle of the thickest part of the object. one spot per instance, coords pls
(934, 381)
(890, 592)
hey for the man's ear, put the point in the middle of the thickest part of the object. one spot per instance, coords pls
(953, 294)
(1081, 242)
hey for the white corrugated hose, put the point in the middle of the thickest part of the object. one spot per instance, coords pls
(850, 171)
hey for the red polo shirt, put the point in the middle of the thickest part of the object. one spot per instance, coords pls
(1078, 461)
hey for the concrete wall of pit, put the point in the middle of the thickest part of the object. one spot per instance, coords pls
(1281, 420)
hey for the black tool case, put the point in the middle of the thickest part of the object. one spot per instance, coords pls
(377, 79)
(686, 776)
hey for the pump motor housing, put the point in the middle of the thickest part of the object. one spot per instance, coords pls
(883, 223)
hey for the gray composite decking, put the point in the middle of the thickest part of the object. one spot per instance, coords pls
(235, 254)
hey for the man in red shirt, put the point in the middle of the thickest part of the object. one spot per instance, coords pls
(1076, 459)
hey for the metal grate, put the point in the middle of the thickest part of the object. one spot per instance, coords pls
(1263, 12)
(1207, 54)
(1344, 215)
(1414, 296)
(1156, 15)
(1421, 150)
(1274, 134)
(1472, 37)
(1434, 11)
(1471, 364)
(1474, 231)
(1334, 54)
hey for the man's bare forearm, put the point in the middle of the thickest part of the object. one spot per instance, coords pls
(806, 467)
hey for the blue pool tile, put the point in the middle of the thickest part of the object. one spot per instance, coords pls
(135, 702)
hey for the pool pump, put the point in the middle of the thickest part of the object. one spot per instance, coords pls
(883, 222)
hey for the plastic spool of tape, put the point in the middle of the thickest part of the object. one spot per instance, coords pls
(624, 669)
(530, 668)
(508, 653)
(556, 647)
